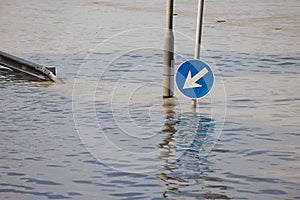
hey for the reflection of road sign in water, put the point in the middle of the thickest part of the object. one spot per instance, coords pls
(194, 79)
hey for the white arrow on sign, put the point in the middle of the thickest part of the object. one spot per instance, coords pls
(190, 81)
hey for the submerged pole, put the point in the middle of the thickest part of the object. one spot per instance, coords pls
(168, 71)
(198, 37)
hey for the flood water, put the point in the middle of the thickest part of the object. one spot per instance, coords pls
(106, 133)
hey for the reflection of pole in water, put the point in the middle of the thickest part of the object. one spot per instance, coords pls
(167, 147)
(186, 169)
(169, 127)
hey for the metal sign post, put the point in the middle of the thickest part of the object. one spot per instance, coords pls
(168, 71)
(198, 37)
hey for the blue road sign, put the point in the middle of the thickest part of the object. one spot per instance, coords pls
(194, 79)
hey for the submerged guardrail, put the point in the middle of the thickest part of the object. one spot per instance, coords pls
(19, 64)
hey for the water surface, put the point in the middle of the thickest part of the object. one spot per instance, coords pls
(107, 134)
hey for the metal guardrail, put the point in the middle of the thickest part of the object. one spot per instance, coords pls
(18, 64)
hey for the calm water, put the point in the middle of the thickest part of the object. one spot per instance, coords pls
(107, 134)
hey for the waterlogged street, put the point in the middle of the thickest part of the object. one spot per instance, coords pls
(106, 133)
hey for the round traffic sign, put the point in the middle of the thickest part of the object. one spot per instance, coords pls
(194, 79)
